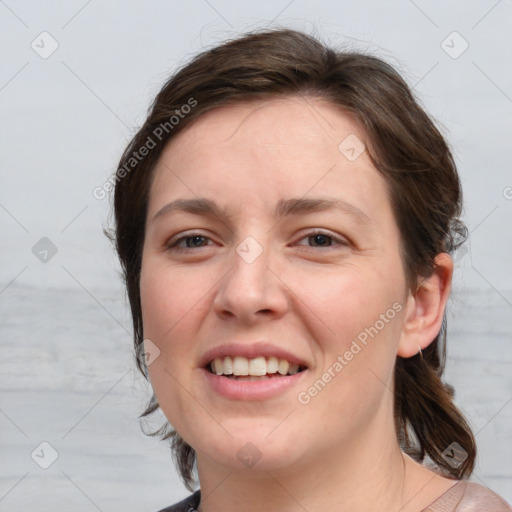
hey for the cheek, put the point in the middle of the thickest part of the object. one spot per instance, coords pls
(168, 295)
(343, 301)
(356, 323)
(174, 302)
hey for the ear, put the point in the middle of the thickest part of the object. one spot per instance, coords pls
(425, 308)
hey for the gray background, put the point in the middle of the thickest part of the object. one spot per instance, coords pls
(67, 374)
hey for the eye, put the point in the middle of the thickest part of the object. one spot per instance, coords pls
(194, 240)
(323, 239)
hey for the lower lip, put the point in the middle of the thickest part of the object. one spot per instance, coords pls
(252, 390)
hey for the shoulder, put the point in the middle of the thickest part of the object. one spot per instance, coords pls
(469, 497)
(189, 504)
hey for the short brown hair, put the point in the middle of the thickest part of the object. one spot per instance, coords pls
(406, 148)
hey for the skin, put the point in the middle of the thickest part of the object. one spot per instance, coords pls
(311, 297)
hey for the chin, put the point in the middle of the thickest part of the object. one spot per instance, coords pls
(248, 456)
(249, 448)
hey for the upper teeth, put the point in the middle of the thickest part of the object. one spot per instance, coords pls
(258, 366)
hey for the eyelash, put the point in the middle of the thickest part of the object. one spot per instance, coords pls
(307, 235)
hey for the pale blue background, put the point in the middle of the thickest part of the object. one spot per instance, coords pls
(67, 375)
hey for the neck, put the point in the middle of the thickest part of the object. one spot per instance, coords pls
(369, 475)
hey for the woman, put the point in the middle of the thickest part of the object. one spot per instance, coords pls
(284, 220)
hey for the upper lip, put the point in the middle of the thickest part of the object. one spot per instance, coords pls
(250, 351)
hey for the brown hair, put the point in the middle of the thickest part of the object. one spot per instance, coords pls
(406, 148)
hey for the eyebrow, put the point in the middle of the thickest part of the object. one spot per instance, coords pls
(301, 205)
(285, 207)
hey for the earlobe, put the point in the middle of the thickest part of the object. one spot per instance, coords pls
(425, 308)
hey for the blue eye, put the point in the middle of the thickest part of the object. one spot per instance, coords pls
(322, 239)
(195, 241)
(319, 239)
(192, 241)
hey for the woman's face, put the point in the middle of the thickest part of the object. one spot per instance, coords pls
(282, 248)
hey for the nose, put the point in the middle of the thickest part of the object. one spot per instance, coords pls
(251, 290)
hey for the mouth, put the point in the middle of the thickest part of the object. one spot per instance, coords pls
(259, 368)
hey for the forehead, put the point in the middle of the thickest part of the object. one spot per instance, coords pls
(270, 149)
(278, 121)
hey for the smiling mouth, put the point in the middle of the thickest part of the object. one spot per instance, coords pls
(256, 369)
